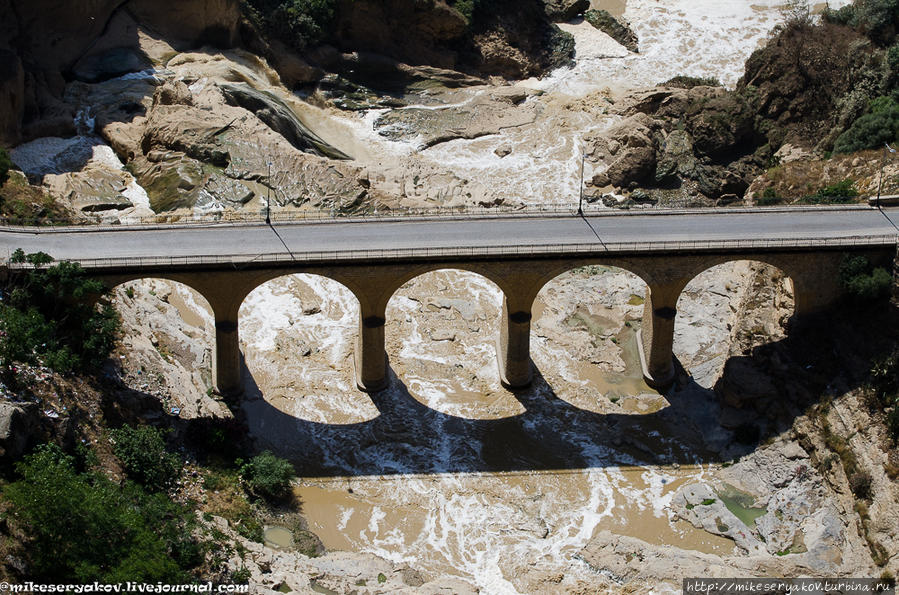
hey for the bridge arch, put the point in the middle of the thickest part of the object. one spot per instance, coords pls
(442, 324)
(598, 346)
(713, 295)
(150, 303)
(298, 332)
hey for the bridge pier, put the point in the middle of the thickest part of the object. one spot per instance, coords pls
(370, 357)
(226, 367)
(514, 349)
(656, 339)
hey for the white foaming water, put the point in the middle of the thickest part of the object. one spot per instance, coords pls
(706, 38)
(444, 514)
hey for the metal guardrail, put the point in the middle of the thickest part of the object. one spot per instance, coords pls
(399, 214)
(610, 248)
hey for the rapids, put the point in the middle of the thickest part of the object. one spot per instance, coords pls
(446, 470)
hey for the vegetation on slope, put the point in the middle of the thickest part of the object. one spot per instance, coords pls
(48, 316)
(22, 203)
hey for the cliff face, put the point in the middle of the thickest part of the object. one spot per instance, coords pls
(49, 43)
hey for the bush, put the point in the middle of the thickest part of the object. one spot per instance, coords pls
(838, 193)
(142, 453)
(83, 527)
(300, 24)
(769, 197)
(877, 19)
(893, 422)
(47, 315)
(862, 281)
(5, 166)
(268, 476)
(885, 379)
(879, 125)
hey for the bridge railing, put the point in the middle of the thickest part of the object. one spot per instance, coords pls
(400, 213)
(610, 248)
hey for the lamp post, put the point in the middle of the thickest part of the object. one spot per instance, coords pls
(268, 199)
(886, 147)
(580, 199)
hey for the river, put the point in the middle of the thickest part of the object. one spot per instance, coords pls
(446, 470)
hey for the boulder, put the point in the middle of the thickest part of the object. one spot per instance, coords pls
(18, 425)
(487, 114)
(676, 158)
(193, 22)
(620, 32)
(110, 64)
(559, 11)
(634, 165)
(292, 69)
(412, 32)
(280, 118)
(172, 93)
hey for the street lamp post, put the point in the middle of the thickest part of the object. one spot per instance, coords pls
(886, 147)
(268, 199)
(580, 199)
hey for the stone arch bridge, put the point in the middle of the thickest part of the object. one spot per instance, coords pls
(520, 254)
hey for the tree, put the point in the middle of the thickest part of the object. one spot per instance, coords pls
(268, 476)
(84, 527)
(5, 166)
(48, 314)
(142, 452)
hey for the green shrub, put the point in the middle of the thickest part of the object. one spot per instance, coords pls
(893, 422)
(862, 281)
(877, 19)
(841, 192)
(300, 24)
(268, 476)
(47, 315)
(885, 379)
(860, 484)
(143, 455)
(879, 125)
(5, 166)
(82, 527)
(769, 197)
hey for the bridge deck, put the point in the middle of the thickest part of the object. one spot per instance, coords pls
(433, 237)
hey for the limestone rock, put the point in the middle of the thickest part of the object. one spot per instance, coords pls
(172, 93)
(634, 165)
(676, 157)
(742, 382)
(293, 69)
(109, 64)
(280, 118)
(412, 32)
(700, 505)
(614, 28)
(484, 115)
(18, 423)
(194, 22)
(564, 10)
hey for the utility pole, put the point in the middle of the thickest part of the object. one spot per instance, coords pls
(886, 147)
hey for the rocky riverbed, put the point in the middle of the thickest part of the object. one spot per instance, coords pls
(446, 482)
(587, 480)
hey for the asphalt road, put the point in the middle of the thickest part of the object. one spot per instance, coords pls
(599, 231)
